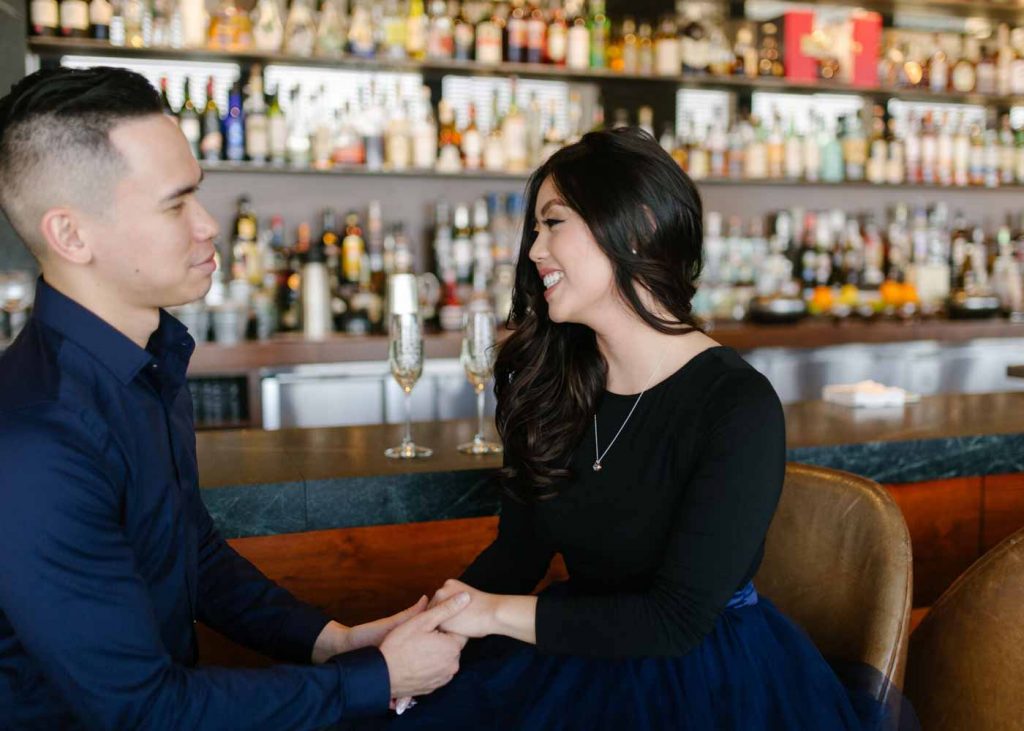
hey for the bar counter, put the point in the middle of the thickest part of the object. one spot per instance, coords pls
(295, 480)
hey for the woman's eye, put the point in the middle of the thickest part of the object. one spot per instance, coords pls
(551, 222)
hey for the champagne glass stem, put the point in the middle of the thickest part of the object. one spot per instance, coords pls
(479, 414)
(407, 439)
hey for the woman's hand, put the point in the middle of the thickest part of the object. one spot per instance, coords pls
(476, 620)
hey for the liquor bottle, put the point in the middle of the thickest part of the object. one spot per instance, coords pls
(557, 37)
(878, 148)
(331, 34)
(494, 145)
(577, 52)
(463, 37)
(188, 120)
(212, 142)
(944, 152)
(297, 144)
(462, 246)
(536, 35)
(1017, 63)
(514, 133)
(600, 31)
(929, 150)
(257, 126)
(440, 31)
(516, 33)
(44, 17)
(630, 57)
(644, 49)
(398, 139)
(267, 26)
(165, 103)
(812, 149)
(393, 30)
(489, 40)
(424, 139)
(776, 149)
(1007, 152)
(234, 126)
(300, 29)
(694, 44)
(963, 78)
(243, 239)
(373, 129)
(553, 139)
(745, 57)
(416, 31)
(347, 147)
(912, 150)
(100, 12)
(938, 68)
(449, 155)
(666, 48)
(74, 19)
(472, 142)
(1004, 60)
(230, 28)
(986, 71)
(961, 154)
(832, 163)
(277, 131)
(794, 153)
(316, 294)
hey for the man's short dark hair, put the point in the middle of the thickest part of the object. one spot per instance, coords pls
(55, 146)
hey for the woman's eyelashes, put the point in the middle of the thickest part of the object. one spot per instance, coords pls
(551, 222)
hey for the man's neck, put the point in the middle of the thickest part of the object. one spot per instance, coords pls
(135, 323)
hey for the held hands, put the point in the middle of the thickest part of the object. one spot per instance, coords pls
(420, 658)
(478, 619)
(336, 638)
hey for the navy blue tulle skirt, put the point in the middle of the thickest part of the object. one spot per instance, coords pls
(756, 670)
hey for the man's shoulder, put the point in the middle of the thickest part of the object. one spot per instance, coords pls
(30, 372)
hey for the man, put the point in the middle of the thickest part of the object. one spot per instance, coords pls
(107, 554)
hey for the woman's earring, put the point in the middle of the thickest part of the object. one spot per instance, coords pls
(634, 251)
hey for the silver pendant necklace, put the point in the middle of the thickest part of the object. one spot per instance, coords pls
(598, 454)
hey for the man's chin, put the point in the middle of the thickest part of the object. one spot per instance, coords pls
(190, 294)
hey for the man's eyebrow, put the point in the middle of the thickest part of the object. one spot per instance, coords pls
(185, 190)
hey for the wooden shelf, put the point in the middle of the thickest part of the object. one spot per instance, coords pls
(487, 175)
(60, 46)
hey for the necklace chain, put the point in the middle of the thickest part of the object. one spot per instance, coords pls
(598, 454)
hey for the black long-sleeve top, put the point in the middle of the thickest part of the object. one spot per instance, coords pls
(672, 526)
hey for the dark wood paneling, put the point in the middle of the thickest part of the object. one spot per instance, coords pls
(944, 520)
(1003, 508)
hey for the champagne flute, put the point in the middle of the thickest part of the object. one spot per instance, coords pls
(478, 343)
(405, 355)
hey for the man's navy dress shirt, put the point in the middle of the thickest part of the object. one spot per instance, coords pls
(108, 556)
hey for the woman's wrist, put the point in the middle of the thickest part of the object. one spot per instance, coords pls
(516, 617)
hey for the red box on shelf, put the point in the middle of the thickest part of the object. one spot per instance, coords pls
(796, 26)
(865, 48)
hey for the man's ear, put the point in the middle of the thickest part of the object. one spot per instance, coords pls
(60, 230)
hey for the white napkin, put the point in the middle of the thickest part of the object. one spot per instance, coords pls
(868, 395)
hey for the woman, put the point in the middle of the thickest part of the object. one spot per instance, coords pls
(652, 459)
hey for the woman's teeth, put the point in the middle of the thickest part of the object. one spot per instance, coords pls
(550, 280)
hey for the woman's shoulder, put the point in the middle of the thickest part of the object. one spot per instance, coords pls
(726, 382)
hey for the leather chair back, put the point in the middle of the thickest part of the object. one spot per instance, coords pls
(966, 665)
(838, 562)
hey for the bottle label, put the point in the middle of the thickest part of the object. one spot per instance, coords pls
(488, 43)
(666, 57)
(190, 128)
(100, 12)
(74, 15)
(556, 44)
(211, 145)
(257, 143)
(44, 13)
(577, 52)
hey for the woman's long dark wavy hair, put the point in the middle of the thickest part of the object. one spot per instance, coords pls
(549, 376)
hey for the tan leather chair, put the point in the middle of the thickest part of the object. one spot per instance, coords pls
(966, 666)
(838, 562)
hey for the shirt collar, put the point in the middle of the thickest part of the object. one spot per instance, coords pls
(170, 344)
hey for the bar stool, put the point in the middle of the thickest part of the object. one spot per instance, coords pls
(838, 562)
(966, 665)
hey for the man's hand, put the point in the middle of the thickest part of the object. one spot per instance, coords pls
(420, 658)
